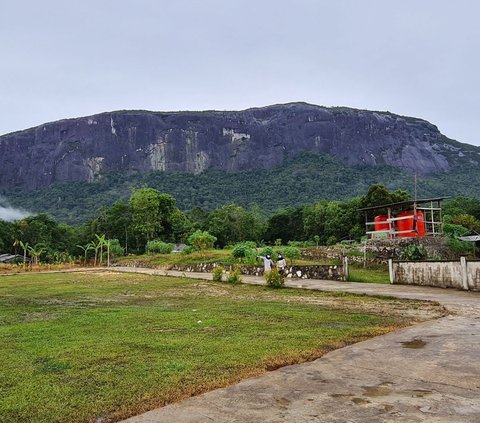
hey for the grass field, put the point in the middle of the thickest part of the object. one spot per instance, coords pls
(104, 346)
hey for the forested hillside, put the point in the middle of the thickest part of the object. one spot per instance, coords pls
(307, 178)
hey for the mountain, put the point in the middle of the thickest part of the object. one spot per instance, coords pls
(84, 149)
(274, 157)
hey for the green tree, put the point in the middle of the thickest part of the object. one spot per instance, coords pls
(7, 237)
(287, 225)
(115, 222)
(201, 240)
(151, 215)
(291, 253)
(378, 195)
(468, 221)
(24, 246)
(231, 224)
(462, 205)
(100, 243)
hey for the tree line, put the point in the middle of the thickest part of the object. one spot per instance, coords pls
(127, 227)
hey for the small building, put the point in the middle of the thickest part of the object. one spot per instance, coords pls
(405, 219)
(12, 258)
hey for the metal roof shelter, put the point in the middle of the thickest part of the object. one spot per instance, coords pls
(424, 216)
(11, 258)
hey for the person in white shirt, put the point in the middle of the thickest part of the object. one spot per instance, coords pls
(267, 263)
(281, 263)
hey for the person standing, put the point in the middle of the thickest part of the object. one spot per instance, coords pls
(267, 263)
(281, 263)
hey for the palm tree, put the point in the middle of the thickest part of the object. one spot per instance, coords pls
(108, 244)
(25, 248)
(16, 244)
(100, 244)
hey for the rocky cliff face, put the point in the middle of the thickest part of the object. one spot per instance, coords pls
(81, 149)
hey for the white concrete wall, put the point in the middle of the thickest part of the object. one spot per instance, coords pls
(473, 275)
(444, 274)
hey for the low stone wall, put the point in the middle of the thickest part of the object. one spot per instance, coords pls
(330, 272)
(381, 250)
(461, 274)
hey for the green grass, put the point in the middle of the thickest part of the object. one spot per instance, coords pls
(371, 274)
(210, 256)
(87, 346)
(223, 257)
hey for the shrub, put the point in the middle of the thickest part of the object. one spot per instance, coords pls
(301, 244)
(274, 278)
(217, 274)
(291, 253)
(158, 247)
(459, 247)
(115, 248)
(188, 250)
(234, 277)
(201, 240)
(244, 252)
(267, 251)
(413, 252)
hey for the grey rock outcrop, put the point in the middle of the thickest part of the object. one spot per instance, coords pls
(81, 149)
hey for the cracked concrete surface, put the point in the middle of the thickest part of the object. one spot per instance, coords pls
(429, 372)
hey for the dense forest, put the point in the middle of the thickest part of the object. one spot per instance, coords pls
(307, 178)
(150, 216)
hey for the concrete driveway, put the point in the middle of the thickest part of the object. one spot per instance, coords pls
(426, 373)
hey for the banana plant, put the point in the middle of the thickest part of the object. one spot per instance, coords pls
(24, 246)
(100, 244)
(36, 251)
(108, 244)
(86, 248)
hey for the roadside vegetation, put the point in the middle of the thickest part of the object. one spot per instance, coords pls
(92, 346)
(150, 226)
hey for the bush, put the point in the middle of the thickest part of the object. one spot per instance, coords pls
(274, 278)
(413, 252)
(244, 252)
(217, 274)
(331, 240)
(188, 250)
(459, 247)
(116, 249)
(202, 240)
(158, 247)
(267, 251)
(454, 231)
(234, 277)
(291, 253)
(301, 244)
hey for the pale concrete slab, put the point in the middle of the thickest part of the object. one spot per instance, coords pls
(428, 372)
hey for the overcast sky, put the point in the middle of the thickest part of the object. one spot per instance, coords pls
(68, 58)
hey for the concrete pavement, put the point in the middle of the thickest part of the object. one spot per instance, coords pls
(426, 373)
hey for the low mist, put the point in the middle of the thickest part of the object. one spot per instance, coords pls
(9, 213)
